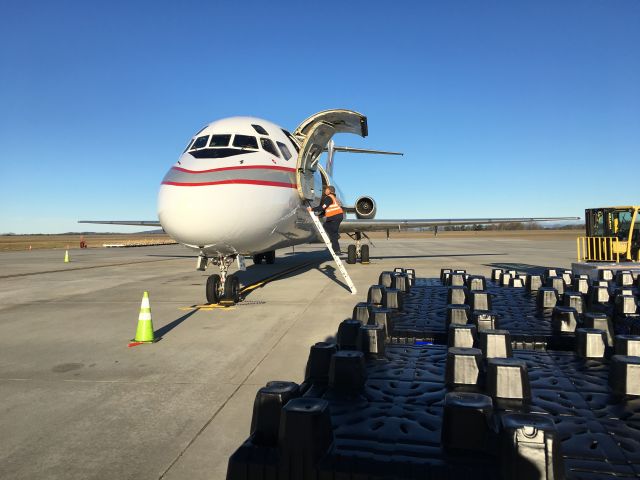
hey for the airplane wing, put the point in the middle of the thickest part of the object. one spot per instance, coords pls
(355, 225)
(144, 223)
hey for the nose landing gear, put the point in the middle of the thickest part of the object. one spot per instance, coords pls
(223, 288)
(213, 288)
(232, 289)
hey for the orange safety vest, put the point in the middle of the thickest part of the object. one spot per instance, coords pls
(334, 208)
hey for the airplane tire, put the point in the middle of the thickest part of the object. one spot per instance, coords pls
(239, 294)
(257, 258)
(351, 254)
(270, 257)
(364, 253)
(232, 289)
(213, 284)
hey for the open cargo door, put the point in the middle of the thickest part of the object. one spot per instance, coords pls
(314, 134)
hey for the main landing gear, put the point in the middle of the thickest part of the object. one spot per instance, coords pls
(358, 251)
(223, 288)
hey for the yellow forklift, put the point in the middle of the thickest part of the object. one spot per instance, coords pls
(613, 235)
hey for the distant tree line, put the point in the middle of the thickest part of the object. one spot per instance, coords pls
(509, 226)
(146, 232)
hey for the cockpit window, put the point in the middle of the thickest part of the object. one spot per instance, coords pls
(245, 141)
(259, 129)
(220, 140)
(219, 152)
(200, 142)
(269, 146)
(285, 151)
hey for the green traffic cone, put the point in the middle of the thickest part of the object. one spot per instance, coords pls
(144, 332)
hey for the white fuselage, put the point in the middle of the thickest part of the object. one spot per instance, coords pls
(234, 199)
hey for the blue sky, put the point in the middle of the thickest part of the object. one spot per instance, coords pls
(502, 108)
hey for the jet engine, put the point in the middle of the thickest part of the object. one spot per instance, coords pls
(365, 208)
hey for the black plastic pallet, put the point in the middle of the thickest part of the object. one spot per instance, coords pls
(423, 317)
(373, 409)
(392, 428)
(424, 314)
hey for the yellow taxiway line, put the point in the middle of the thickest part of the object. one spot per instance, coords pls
(247, 289)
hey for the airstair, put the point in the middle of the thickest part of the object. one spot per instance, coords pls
(327, 242)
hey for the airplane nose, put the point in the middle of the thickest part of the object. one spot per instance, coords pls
(195, 216)
(227, 218)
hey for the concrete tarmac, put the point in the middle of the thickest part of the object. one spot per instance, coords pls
(77, 403)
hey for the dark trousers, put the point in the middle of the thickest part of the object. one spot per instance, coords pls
(331, 226)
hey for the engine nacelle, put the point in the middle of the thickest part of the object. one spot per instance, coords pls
(365, 208)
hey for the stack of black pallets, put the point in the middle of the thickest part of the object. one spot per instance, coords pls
(459, 400)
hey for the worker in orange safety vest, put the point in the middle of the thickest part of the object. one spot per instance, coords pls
(330, 208)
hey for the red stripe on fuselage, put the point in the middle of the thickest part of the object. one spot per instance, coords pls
(234, 181)
(240, 167)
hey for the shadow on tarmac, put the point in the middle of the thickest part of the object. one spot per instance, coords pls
(169, 256)
(306, 261)
(298, 264)
(311, 264)
(170, 326)
(330, 272)
(257, 273)
(442, 255)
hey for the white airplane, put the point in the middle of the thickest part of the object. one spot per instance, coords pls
(242, 187)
